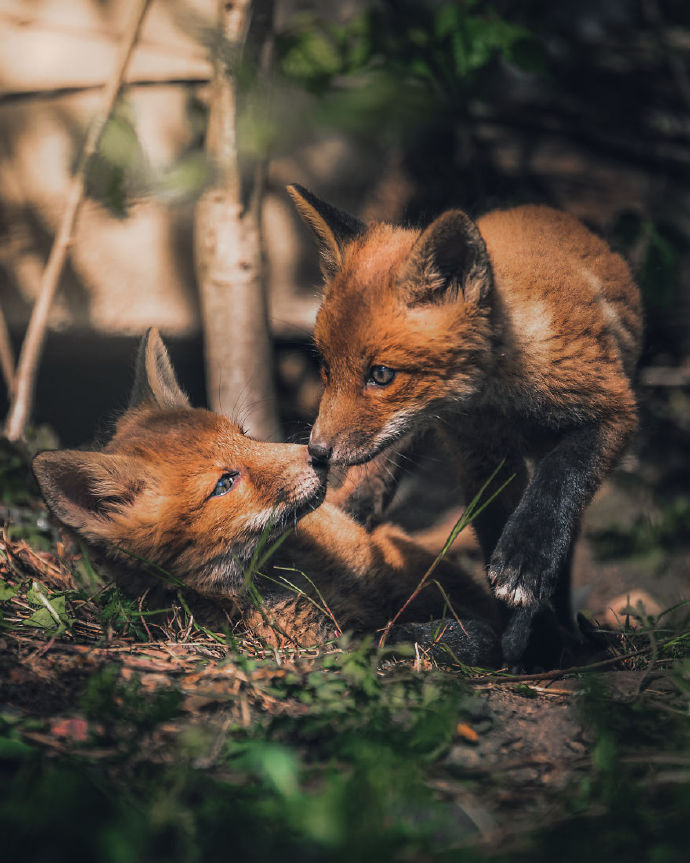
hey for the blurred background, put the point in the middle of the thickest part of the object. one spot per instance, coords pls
(391, 109)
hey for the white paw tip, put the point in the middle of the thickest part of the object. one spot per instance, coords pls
(518, 596)
(521, 596)
(503, 592)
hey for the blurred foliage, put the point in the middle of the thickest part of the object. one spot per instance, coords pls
(118, 172)
(414, 78)
(382, 72)
(394, 69)
(350, 779)
(667, 529)
(19, 494)
(442, 48)
(124, 711)
(656, 247)
(345, 780)
(347, 755)
(17, 484)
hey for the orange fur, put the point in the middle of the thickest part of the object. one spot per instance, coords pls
(149, 495)
(515, 336)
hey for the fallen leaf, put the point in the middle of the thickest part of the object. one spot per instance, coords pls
(466, 732)
(629, 607)
(74, 728)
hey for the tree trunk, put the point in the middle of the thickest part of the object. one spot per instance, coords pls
(228, 247)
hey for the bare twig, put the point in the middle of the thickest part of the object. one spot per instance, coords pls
(188, 79)
(665, 376)
(557, 673)
(6, 356)
(29, 357)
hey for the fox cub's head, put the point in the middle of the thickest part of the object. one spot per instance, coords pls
(181, 488)
(403, 328)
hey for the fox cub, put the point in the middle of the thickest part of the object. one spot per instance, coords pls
(184, 490)
(515, 336)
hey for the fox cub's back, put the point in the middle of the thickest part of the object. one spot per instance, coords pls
(559, 280)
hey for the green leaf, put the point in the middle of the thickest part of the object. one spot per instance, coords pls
(186, 179)
(12, 748)
(44, 617)
(447, 20)
(277, 765)
(312, 56)
(7, 591)
(119, 169)
(33, 595)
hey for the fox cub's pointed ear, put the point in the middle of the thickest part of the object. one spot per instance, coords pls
(83, 488)
(333, 228)
(154, 377)
(449, 258)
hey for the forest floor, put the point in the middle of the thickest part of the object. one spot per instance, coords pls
(131, 736)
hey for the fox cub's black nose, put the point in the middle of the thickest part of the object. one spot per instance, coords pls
(319, 452)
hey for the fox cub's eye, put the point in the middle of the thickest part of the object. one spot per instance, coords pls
(224, 485)
(381, 376)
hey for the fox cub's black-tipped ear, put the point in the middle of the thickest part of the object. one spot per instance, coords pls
(449, 258)
(333, 228)
(83, 488)
(154, 377)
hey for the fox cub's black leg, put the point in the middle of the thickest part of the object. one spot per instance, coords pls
(530, 566)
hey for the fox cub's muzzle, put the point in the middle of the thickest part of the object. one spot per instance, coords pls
(320, 453)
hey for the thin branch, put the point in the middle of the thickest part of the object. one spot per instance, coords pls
(6, 356)
(30, 355)
(20, 96)
(501, 677)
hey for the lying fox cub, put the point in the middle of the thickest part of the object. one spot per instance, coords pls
(517, 337)
(185, 490)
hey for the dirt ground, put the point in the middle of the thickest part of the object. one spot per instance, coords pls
(525, 743)
(525, 747)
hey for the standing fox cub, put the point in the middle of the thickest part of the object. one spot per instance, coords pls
(516, 336)
(186, 491)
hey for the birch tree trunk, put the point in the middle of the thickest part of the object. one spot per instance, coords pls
(227, 235)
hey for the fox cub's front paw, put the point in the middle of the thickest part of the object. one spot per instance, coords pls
(520, 574)
(524, 572)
